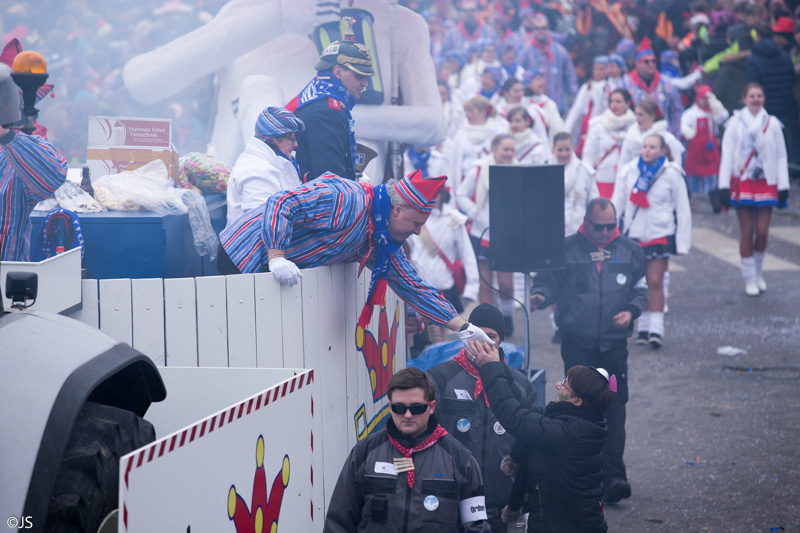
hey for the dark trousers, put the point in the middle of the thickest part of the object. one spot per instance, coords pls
(225, 266)
(615, 360)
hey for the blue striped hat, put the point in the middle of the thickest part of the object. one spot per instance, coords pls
(277, 121)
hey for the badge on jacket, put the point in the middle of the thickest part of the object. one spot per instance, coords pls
(333, 103)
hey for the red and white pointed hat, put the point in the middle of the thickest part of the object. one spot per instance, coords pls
(418, 192)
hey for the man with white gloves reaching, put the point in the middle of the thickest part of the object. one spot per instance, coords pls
(333, 220)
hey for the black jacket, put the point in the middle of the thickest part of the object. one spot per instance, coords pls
(565, 463)
(488, 441)
(773, 69)
(324, 145)
(586, 301)
(368, 498)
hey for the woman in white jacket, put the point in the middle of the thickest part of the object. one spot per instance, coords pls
(590, 102)
(653, 207)
(473, 141)
(649, 121)
(267, 165)
(753, 177)
(473, 199)
(530, 148)
(605, 137)
(541, 107)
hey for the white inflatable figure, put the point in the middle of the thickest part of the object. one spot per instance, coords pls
(262, 56)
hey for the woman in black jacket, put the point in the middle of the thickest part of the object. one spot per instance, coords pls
(563, 466)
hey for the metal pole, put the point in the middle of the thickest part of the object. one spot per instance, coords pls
(526, 302)
(395, 153)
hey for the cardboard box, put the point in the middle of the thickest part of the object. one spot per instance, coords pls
(105, 161)
(130, 132)
(119, 144)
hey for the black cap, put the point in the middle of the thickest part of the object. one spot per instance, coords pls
(350, 54)
(488, 316)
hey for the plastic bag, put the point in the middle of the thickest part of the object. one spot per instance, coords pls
(206, 173)
(71, 197)
(205, 238)
(444, 351)
(148, 187)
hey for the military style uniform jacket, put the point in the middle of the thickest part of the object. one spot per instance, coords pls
(324, 145)
(447, 496)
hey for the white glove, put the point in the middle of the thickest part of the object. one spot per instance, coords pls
(285, 271)
(473, 333)
(688, 133)
(715, 105)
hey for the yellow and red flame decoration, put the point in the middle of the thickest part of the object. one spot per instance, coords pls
(379, 357)
(263, 511)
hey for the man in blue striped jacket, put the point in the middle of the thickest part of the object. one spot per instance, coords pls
(31, 169)
(333, 220)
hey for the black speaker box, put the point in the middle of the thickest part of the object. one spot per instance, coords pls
(526, 218)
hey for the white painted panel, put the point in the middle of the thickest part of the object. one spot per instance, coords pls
(314, 353)
(180, 317)
(292, 325)
(269, 331)
(331, 394)
(115, 309)
(90, 311)
(310, 317)
(352, 355)
(241, 321)
(148, 318)
(212, 324)
(233, 454)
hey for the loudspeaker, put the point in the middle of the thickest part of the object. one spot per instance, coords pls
(526, 218)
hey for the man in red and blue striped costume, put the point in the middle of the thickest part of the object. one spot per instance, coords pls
(333, 220)
(31, 169)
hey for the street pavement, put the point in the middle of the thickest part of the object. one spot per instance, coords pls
(713, 441)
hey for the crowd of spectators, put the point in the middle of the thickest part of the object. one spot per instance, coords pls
(86, 44)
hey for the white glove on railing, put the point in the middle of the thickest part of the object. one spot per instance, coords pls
(285, 271)
(473, 333)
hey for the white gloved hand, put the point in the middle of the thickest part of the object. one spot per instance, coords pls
(473, 333)
(285, 271)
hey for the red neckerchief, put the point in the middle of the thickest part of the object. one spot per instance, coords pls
(545, 48)
(639, 82)
(470, 369)
(470, 36)
(437, 434)
(614, 234)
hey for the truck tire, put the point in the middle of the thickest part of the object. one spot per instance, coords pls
(87, 486)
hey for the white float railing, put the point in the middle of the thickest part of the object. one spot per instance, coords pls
(250, 320)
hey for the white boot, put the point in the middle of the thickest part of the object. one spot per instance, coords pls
(750, 276)
(759, 259)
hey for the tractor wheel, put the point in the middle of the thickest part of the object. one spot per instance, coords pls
(87, 486)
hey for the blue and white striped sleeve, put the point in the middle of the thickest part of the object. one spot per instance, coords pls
(313, 206)
(425, 299)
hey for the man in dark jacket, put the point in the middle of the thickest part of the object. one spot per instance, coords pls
(773, 69)
(412, 475)
(598, 296)
(328, 143)
(464, 412)
(562, 466)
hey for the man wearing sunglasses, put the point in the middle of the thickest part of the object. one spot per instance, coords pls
(646, 83)
(411, 475)
(464, 412)
(598, 296)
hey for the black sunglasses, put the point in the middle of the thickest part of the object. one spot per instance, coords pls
(415, 408)
(601, 227)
